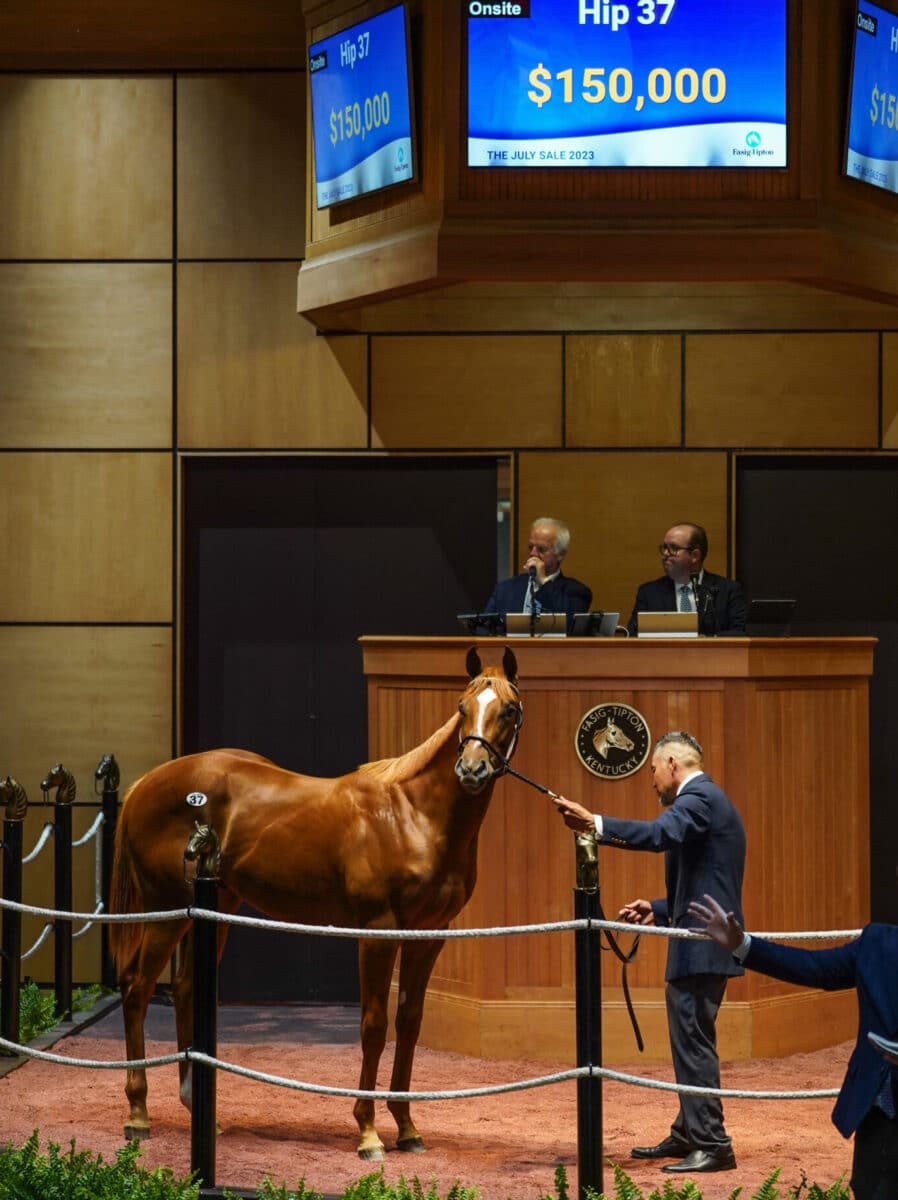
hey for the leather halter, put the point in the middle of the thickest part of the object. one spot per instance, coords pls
(497, 755)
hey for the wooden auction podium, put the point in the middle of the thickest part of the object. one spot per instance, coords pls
(784, 725)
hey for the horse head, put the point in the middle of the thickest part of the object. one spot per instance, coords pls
(203, 848)
(63, 780)
(613, 737)
(108, 771)
(490, 715)
(13, 799)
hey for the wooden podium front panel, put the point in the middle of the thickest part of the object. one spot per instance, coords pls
(768, 713)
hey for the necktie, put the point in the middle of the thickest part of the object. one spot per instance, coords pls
(685, 604)
(886, 1098)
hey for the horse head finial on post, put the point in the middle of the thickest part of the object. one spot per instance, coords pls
(108, 771)
(14, 799)
(203, 849)
(63, 780)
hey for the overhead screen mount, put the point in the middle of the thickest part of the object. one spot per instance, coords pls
(636, 83)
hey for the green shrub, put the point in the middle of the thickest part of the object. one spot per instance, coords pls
(626, 1189)
(37, 1012)
(78, 1175)
(25, 1174)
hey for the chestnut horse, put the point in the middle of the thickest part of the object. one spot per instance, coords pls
(392, 845)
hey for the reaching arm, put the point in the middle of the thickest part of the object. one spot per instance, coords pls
(721, 926)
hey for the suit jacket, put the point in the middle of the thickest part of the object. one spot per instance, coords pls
(870, 965)
(561, 594)
(703, 840)
(721, 603)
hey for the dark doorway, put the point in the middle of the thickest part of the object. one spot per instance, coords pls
(817, 529)
(287, 561)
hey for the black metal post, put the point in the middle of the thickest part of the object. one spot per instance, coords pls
(62, 928)
(107, 848)
(588, 983)
(205, 1032)
(11, 979)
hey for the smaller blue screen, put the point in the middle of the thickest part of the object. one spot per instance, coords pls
(872, 143)
(362, 108)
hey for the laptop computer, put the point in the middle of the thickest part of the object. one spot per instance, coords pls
(666, 624)
(546, 624)
(595, 624)
(769, 618)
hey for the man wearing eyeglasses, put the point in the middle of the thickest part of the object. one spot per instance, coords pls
(686, 586)
(541, 581)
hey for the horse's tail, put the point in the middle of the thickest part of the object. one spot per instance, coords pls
(124, 894)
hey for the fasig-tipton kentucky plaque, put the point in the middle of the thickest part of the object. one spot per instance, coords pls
(612, 740)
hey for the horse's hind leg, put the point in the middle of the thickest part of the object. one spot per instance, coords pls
(415, 968)
(137, 980)
(376, 959)
(182, 994)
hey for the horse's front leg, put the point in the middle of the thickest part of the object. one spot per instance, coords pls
(376, 959)
(415, 967)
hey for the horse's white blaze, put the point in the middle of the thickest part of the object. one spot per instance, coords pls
(484, 700)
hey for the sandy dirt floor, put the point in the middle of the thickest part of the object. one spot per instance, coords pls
(506, 1146)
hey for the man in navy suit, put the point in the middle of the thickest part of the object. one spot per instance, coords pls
(686, 585)
(866, 1104)
(702, 837)
(542, 578)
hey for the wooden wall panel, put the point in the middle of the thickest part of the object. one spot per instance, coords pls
(70, 696)
(252, 374)
(890, 391)
(618, 505)
(86, 165)
(87, 537)
(466, 392)
(57, 34)
(780, 390)
(622, 390)
(85, 355)
(241, 165)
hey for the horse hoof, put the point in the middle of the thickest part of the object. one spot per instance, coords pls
(372, 1153)
(411, 1145)
(136, 1132)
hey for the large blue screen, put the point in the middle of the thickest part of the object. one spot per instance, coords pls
(361, 108)
(635, 83)
(872, 142)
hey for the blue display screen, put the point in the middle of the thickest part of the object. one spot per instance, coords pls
(362, 108)
(635, 83)
(872, 142)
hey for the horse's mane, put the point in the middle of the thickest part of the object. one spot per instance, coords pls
(398, 770)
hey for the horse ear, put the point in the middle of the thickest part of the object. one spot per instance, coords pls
(473, 664)
(510, 666)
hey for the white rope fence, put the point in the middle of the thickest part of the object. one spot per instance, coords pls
(191, 1055)
(47, 832)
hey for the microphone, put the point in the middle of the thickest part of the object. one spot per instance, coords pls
(534, 603)
(693, 579)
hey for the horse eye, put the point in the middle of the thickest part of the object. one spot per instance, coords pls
(510, 710)
(461, 708)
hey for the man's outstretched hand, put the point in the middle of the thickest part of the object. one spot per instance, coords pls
(721, 926)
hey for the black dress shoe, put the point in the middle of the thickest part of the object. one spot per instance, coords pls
(704, 1160)
(671, 1147)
